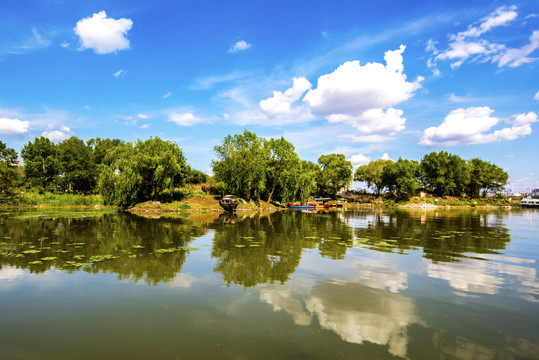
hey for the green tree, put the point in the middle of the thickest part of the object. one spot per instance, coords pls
(141, 172)
(444, 174)
(372, 174)
(196, 176)
(9, 176)
(484, 176)
(402, 177)
(41, 163)
(336, 173)
(307, 181)
(76, 165)
(241, 164)
(102, 148)
(283, 164)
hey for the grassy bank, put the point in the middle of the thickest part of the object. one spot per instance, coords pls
(450, 202)
(51, 200)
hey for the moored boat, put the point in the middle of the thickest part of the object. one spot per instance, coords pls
(529, 203)
(228, 203)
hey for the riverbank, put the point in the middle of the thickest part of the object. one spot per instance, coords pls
(199, 202)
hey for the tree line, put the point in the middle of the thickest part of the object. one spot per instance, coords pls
(246, 165)
(438, 173)
(124, 173)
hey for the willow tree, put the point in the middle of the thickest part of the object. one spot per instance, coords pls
(283, 165)
(141, 171)
(241, 164)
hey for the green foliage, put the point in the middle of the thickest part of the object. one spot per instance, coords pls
(336, 174)
(102, 149)
(41, 163)
(282, 168)
(372, 174)
(444, 174)
(141, 171)
(76, 166)
(241, 164)
(9, 176)
(196, 176)
(401, 177)
(307, 184)
(486, 176)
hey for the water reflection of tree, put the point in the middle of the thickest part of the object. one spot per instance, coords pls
(268, 248)
(444, 236)
(118, 243)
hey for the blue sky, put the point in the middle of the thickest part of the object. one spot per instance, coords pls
(366, 79)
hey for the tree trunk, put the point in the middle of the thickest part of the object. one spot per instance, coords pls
(271, 194)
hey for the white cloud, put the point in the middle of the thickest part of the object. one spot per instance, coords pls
(523, 119)
(118, 73)
(281, 103)
(144, 126)
(167, 95)
(364, 96)
(58, 135)
(470, 126)
(517, 57)
(467, 45)
(12, 127)
(499, 17)
(184, 119)
(462, 50)
(239, 46)
(143, 116)
(385, 156)
(359, 159)
(102, 34)
(536, 97)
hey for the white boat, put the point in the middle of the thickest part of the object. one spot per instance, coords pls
(529, 203)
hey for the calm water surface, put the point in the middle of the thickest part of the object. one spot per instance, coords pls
(338, 285)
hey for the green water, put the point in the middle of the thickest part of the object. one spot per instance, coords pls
(330, 285)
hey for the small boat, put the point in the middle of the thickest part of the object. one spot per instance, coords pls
(301, 207)
(529, 203)
(228, 203)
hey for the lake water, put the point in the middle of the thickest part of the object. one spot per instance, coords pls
(355, 284)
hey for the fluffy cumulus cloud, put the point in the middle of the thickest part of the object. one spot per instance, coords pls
(536, 97)
(241, 45)
(103, 34)
(358, 160)
(281, 103)
(469, 46)
(184, 119)
(58, 135)
(472, 126)
(12, 127)
(364, 96)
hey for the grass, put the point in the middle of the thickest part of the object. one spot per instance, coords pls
(52, 199)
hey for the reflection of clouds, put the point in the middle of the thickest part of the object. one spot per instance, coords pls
(363, 221)
(359, 313)
(11, 274)
(392, 280)
(355, 312)
(282, 299)
(182, 281)
(466, 277)
(8, 277)
(488, 276)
